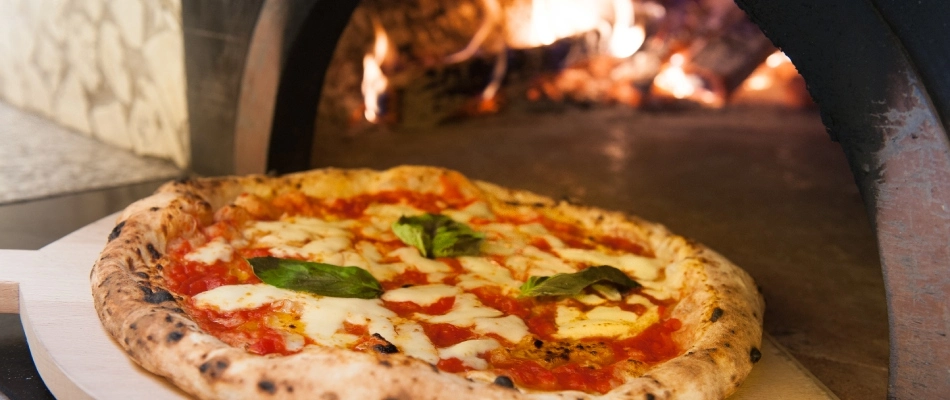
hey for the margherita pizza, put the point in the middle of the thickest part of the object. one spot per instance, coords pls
(417, 283)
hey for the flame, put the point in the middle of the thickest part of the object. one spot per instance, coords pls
(547, 21)
(492, 15)
(626, 38)
(766, 75)
(374, 80)
(777, 59)
(680, 84)
(673, 78)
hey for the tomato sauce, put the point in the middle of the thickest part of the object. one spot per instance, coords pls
(445, 335)
(244, 328)
(407, 308)
(453, 365)
(249, 328)
(409, 277)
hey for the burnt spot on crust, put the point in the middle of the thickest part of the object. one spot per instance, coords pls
(387, 348)
(153, 209)
(755, 355)
(168, 318)
(267, 386)
(214, 368)
(716, 314)
(142, 275)
(152, 252)
(174, 337)
(133, 326)
(157, 297)
(504, 381)
(116, 231)
(650, 396)
(386, 363)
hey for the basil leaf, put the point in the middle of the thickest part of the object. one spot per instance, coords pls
(436, 235)
(412, 231)
(317, 278)
(574, 283)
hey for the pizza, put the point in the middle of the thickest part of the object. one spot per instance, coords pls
(417, 283)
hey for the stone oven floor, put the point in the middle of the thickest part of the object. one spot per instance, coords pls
(766, 188)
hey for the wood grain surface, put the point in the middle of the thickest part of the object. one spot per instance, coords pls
(49, 288)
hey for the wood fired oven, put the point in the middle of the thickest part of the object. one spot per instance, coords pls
(876, 68)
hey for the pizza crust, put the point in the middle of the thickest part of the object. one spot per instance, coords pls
(721, 310)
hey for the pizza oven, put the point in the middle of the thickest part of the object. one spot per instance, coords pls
(568, 110)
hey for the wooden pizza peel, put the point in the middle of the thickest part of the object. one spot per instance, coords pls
(77, 359)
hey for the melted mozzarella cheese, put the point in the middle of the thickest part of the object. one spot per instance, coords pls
(412, 341)
(601, 321)
(512, 328)
(424, 295)
(639, 267)
(477, 209)
(464, 311)
(468, 352)
(468, 311)
(295, 230)
(322, 316)
(212, 252)
(411, 256)
(484, 272)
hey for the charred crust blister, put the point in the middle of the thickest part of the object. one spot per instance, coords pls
(213, 368)
(504, 381)
(267, 386)
(716, 314)
(387, 348)
(174, 337)
(157, 297)
(755, 355)
(650, 396)
(116, 231)
(153, 252)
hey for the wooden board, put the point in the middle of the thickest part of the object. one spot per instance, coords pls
(78, 360)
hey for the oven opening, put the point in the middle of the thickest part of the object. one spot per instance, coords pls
(679, 111)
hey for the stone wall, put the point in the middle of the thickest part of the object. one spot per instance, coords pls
(113, 70)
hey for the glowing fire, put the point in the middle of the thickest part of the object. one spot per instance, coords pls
(775, 82)
(678, 83)
(547, 21)
(626, 37)
(374, 80)
(674, 80)
(764, 78)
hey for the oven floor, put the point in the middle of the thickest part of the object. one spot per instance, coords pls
(766, 188)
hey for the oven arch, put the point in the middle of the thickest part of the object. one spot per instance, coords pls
(873, 66)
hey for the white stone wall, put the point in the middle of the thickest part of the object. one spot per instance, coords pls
(113, 70)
